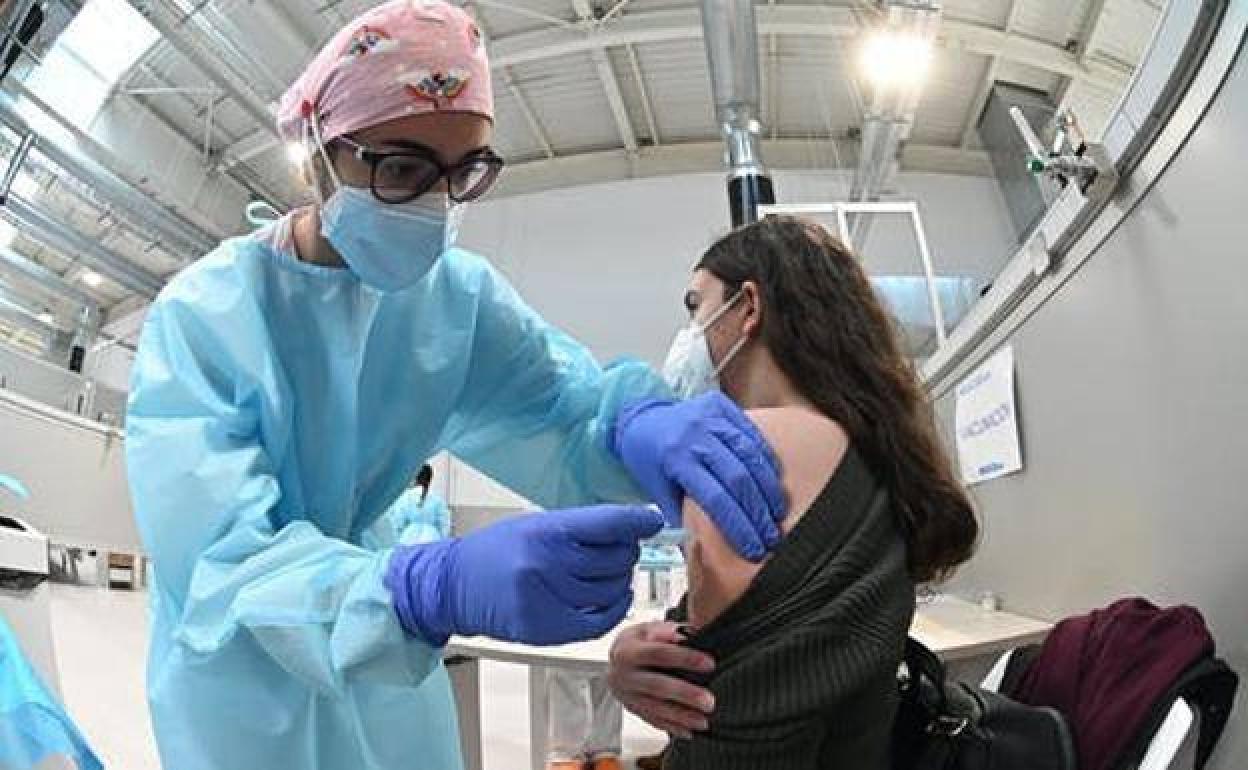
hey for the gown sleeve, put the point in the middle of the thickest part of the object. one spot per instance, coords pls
(537, 408)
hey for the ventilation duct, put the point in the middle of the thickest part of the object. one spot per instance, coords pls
(1028, 196)
(731, 35)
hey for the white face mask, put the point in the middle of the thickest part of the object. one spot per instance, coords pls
(689, 369)
(388, 246)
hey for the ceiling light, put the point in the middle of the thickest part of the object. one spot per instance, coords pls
(92, 279)
(46, 318)
(8, 233)
(892, 59)
(296, 152)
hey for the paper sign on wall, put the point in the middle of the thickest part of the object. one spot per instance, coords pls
(985, 419)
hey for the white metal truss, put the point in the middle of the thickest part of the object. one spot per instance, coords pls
(792, 20)
(647, 105)
(908, 209)
(536, 129)
(606, 74)
(694, 157)
(530, 117)
(204, 59)
(1093, 26)
(634, 29)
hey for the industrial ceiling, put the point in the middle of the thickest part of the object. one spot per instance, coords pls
(586, 90)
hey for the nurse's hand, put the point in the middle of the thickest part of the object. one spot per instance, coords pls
(541, 578)
(707, 449)
(666, 702)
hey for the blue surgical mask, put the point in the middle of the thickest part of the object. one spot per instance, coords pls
(389, 246)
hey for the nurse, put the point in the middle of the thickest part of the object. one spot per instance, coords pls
(289, 384)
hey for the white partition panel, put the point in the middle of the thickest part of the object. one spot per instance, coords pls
(75, 471)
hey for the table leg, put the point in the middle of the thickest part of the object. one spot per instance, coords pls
(539, 713)
(466, 684)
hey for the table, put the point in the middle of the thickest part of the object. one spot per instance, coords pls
(953, 628)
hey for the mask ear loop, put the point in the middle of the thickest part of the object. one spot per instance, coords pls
(719, 313)
(732, 352)
(736, 348)
(312, 136)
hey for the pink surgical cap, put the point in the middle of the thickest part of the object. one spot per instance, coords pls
(404, 57)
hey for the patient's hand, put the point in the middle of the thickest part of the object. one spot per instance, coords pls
(809, 447)
(638, 656)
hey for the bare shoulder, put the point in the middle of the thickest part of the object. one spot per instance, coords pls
(809, 446)
(795, 430)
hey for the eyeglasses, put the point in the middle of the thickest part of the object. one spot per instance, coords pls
(400, 176)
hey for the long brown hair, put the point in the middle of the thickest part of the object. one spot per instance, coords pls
(825, 328)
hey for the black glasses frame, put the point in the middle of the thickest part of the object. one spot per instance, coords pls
(374, 158)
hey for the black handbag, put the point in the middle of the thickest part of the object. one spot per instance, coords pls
(954, 726)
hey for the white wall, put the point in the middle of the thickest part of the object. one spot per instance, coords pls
(609, 262)
(1134, 415)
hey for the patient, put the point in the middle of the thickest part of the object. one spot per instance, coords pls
(806, 645)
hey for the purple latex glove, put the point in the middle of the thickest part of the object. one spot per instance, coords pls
(542, 578)
(707, 449)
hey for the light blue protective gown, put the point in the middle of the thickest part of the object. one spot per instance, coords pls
(277, 409)
(33, 725)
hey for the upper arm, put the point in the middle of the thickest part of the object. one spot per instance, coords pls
(718, 576)
(809, 448)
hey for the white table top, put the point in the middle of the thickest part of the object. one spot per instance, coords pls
(953, 628)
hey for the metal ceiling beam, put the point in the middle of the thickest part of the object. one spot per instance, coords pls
(247, 148)
(610, 84)
(798, 20)
(773, 20)
(990, 77)
(708, 157)
(82, 156)
(1093, 26)
(15, 312)
(48, 279)
(526, 109)
(281, 11)
(530, 117)
(264, 138)
(76, 134)
(247, 182)
(647, 105)
(197, 53)
(73, 245)
(222, 33)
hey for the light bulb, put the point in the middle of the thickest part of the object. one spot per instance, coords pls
(296, 152)
(891, 59)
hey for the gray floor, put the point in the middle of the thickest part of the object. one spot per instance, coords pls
(101, 644)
